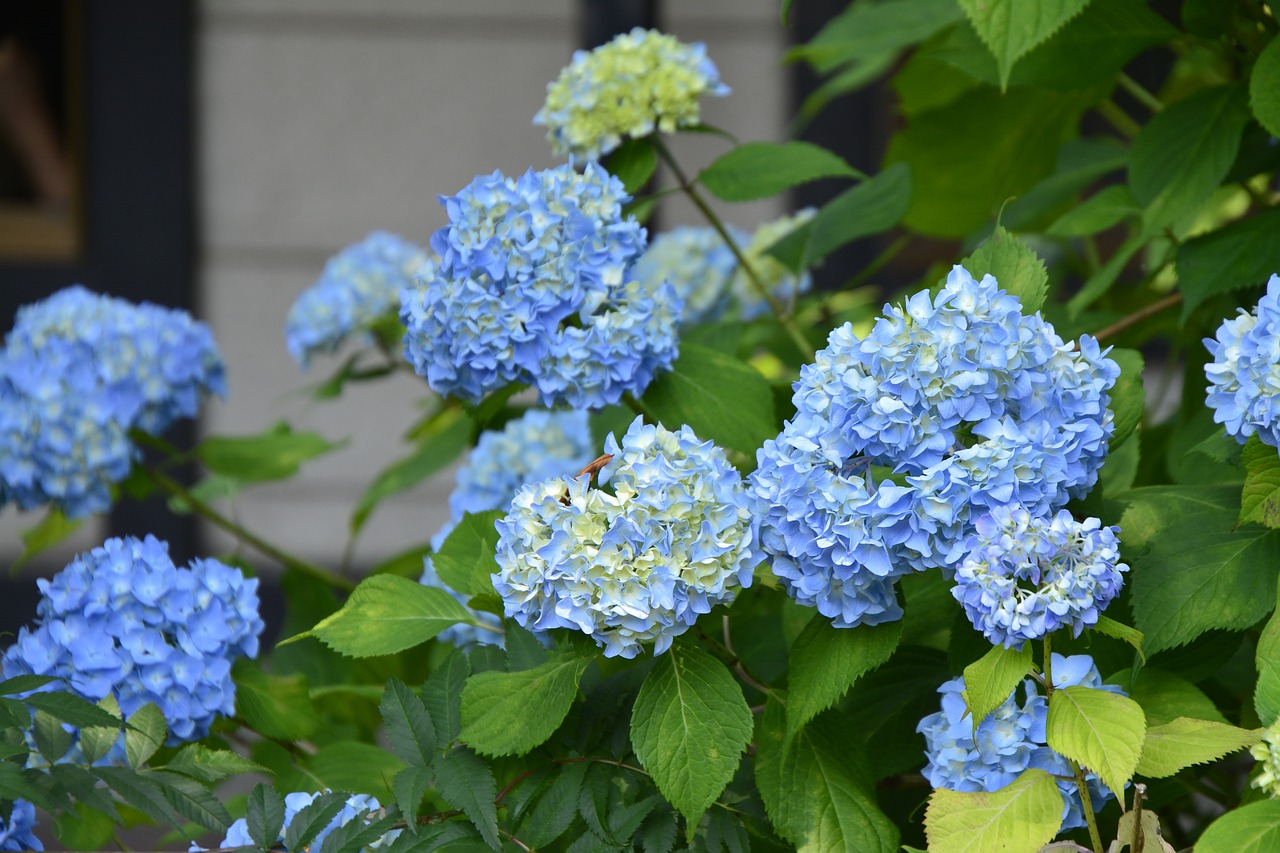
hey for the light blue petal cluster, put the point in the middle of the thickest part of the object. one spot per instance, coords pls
(77, 373)
(359, 285)
(773, 274)
(1008, 741)
(952, 406)
(122, 620)
(1025, 576)
(675, 538)
(535, 285)
(359, 807)
(638, 83)
(698, 264)
(19, 832)
(536, 446)
(1244, 376)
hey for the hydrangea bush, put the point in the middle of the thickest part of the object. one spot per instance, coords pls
(972, 555)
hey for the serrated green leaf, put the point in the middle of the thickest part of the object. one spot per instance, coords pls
(44, 534)
(989, 680)
(361, 768)
(1098, 729)
(354, 836)
(140, 792)
(1239, 255)
(146, 734)
(277, 706)
(1218, 447)
(689, 727)
(1108, 207)
(510, 713)
(1120, 631)
(1266, 696)
(817, 786)
(408, 725)
(1128, 398)
(757, 170)
(210, 766)
(1015, 265)
(30, 784)
(1260, 499)
(1185, 741)
(1191, 570)
(658, 832)
(1012, 29)
(388, 614)
(466, 557)
(309, 821)
(633, 163)
(886, 705)
(274, 454)
(24, 683)
(1165, 696)
(1264, 88)
(874, 30)
(442, 696)
(265, 816)
(84, 828)
(464, 781)
(1023, 816)
(826, 661)
(74, 710)
(192, 800)
(719, 397)
(555, 810)
(444, 443)
(82, 785)
(524, 649)
(1254, 828)
(51, 738)
(410, 786)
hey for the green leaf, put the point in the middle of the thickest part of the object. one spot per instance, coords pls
(757, 170)
(210, 766)
(442, 696)
(817, 787)
(1260, 500)
(408, 725)
(1015, 265)
(1108, 207)
(44, 534)
(139, 791)
(1102, 280)
(1183, 742)
(274, 454)
(1079, 164)
(82, 785)
(874, 30)
(1185, 151)
(450, 435)
(277, 706)
(51, 738)
(146, 734)
(410, 786)
(466, 558)
(1266, 696)
(1242, 254)
(1254, 828)
(387, 614)
(265, 816)
(1264, 88)
(72, 709)
(1191, 570)
(1127, 397)
(720, 397)
(192, 800)
(464, 781)
(24, 683)
(689, 727)
(354, 836)
(826, 661)
(555, 810)
(1120, 631)
(1165, 696)
(633, 163)
(873, 206)
(510, 713)
(1022, 816)
(308, 822)
(362, 768)
(84, 828)
(989, 680)
(1011, 29)
(885, 706)
(1098, 729)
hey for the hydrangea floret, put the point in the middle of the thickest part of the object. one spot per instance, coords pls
(79, 371)
(536, 446)
(18, 832)
(953, 405)
(359, 286)
(361, 807)
(638, 83)
(674, 538)
(1009, 740)
(535, 285)
(780, 281)
(1267, 754)
(122, 620)
(698, 264)
(1026, 576)
(1244, 376)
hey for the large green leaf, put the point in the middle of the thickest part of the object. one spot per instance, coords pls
(990, 680)
(758, 170)
(409, 729)
(1015, 266)
(886, 705)
(465, 781)
(277, 706)
(1192, 570)
(1184, 152)
(442, 695)
(1011, 29)
(1260, 500)
(274, 454)
(145, 735)
(1128, 397)
(1185, 741)
(1242, 254)
(1264, 88)
(633, 163)
(510, 713)
(1266, 696)
(192, 800)
(1254, 828)
(689, 727)
(825, 661)
(465, 559)
(1105, 208)
(1165, 696)
(817, 786)
(72, 709)
(1023, 816)
(362, 768)
(866, 30)
(210, 766)
(311, 820)
(387, 614)
(1100, 730)
(720, 397)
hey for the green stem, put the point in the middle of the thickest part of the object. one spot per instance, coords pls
(202, 509)
(1119, 119)
(1140, 93)
(1082, 786)
(639, 408)
(690, 189)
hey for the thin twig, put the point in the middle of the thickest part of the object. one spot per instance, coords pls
(1138, 316)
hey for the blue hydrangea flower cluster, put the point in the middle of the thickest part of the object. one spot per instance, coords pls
(952, 406)
(1008, 741)
(675, 538)
(77, 373)
(1244, 376)
(359, 285)
(19, 832)
(535, 285)
(359, 807)
(698, 264)
(536, 446)
(777, 279)
(122, 620)
(641, 82)
(1026, 576)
